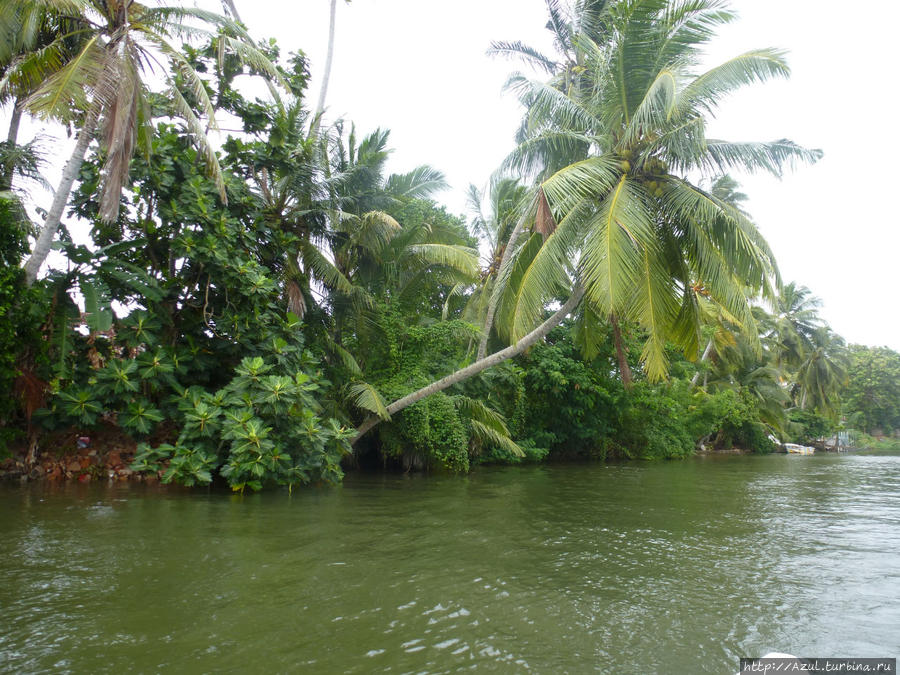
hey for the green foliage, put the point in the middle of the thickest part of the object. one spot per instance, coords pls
(808, 426)
(666, 421)
(872, 395)
(654, 424)
(22, 311)
(13, 245)
(259, 429)
(212, 329)
(570, 406)
(431, 432)
(529, 454)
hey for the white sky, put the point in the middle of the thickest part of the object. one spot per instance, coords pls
(419, 68)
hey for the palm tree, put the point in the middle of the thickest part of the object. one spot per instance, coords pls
(645, 240)
(793, 324)
(371, 249)
(585, 20)
(634, 236)
(26, 30)
(101, 86)
(494, 229)
(823, 372)
(738, 364)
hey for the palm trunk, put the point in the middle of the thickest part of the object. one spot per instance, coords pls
(621, 353)
(706, 353)
(231, 9)
(803, 400)
(494, 300)
(323, 92)
(479, 365)
(11, 137)
(54, 215)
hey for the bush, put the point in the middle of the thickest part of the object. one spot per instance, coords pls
(259, 429)
(429, 433)
(807, 426)
(569, 407)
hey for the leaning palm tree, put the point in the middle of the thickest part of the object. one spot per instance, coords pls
(569, 26)
(640, 236)
(634, 237)
(27, 30)
(103, 86)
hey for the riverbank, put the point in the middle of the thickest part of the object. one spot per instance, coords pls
(108, 454)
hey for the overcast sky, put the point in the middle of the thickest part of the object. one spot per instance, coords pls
(419, 68)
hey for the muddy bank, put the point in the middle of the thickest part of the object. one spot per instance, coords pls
(105, 454)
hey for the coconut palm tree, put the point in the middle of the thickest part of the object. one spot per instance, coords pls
(26, 31)
(494, 228)
(584, 20)
(634, 237)
(823, 372)
(642, 238)
(370, 247)
(102, 87)
(792, 325)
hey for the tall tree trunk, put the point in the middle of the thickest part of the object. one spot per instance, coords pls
(480, 365)
(706, 353)
(621, 353)
(326, 76)
(231, 9)
(494, 300)
(12, 136)
(54, 215)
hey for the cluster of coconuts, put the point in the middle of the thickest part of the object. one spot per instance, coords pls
(649, 168)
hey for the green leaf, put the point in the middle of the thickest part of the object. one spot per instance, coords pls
(366, 397)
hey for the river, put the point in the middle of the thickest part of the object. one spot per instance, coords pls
(671, 567)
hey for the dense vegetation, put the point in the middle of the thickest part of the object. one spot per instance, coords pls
(281, 308)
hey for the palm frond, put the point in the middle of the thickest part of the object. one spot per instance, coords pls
(723, 156)
(612, 258)
(64, 94)
(199, 134)
(654, 110)
(460, 258)
(487, 424)
(546, 274)
(191, 79)
(420, 183)
(323, 269)
(706, 92)
(546, 102)
(530, 55)
(366, 397)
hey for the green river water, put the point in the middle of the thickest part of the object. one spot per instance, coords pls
(675, 567)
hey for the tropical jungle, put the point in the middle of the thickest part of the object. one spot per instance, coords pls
(261, 303)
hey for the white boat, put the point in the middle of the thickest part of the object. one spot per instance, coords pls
(795, 449)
